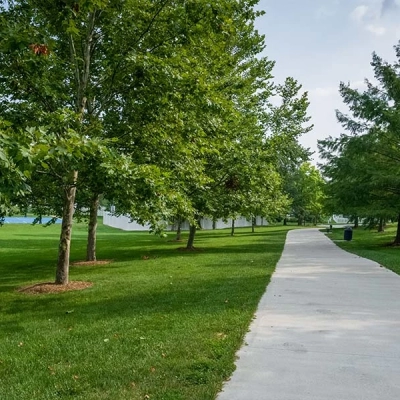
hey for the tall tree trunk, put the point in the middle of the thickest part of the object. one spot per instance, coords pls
(214, 223)
(397, 240)
(285, 221)
(233, 227)
(356, 222)
(253, 224)
(178, 230)
(192, 233)
(64, 248)
(92, 229)
(300, 221)
(381, 225)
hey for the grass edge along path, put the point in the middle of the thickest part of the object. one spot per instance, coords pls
(372, 245)
(157, 323)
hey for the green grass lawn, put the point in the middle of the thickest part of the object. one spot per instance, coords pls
(166, 327)
(372, 245)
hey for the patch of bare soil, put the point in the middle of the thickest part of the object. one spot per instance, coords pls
(51, 287)
(91, 263)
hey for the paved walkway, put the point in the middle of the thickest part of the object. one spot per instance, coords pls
(328, 328)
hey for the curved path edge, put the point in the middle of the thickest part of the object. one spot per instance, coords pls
(327, 328)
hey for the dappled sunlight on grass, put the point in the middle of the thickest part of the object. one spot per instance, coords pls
(156, 321)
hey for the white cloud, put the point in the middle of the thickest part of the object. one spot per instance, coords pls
(376, 29)
(370, 16)
(359, 13)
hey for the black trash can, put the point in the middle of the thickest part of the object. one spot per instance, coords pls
(348, 233)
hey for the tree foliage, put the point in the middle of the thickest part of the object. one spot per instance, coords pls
(15, 167)
(161, 107)
(363, 165)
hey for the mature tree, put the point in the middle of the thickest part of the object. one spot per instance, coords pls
(357, 179)
(209, 92)
(288, 121)
(249, 183)
(364, 165)
(59, 70)
(305, 189)
(46, 76)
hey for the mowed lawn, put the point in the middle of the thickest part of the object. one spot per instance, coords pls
(372, 245)
(158, 323)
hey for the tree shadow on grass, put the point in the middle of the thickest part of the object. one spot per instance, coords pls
(34, 259)
(238, 233)
(207, 296)
(42, 267)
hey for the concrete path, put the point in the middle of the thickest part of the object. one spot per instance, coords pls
(328, 328)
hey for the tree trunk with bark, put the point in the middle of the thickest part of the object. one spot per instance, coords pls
(179, 230)
(81, 64)
(397, 239)
(214, 224)
(356, 222)
(285, 222)
(300, 221)
(192, 233)
(233, 227)
(381, 227)
(64, 248)
(92, 228)
(253, 225)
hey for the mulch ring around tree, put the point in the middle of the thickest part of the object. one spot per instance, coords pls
(91, 263)
(51, 287)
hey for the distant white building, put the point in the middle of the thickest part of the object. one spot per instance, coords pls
(125, 223)
(339, 219)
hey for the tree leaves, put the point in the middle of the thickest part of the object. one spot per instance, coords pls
(363, 166)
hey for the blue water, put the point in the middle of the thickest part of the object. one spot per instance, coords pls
(26, 220)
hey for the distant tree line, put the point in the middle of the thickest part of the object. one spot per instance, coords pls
(362, 166)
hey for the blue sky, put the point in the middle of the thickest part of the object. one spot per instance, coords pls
(323, 42)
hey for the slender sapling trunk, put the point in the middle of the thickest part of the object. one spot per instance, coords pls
(92, 228)
(64, 247)
(233, 227)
